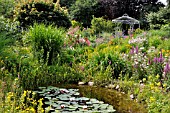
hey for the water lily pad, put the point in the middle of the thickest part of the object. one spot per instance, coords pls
(96, 106)
(48, 102)
(103, 106)
(94, 101)
(64, 98)
(88, 103)
(46, 98)
(41, 87)
(76, 94)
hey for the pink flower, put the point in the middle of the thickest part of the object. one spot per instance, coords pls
(87, 42)
(82, 40)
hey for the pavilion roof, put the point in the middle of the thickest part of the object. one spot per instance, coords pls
(125, 19)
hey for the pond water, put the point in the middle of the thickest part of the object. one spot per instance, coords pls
(82, 99)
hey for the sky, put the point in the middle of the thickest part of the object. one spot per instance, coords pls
(163, 1)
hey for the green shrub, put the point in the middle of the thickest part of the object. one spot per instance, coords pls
(156, 20)
(155, 41)
(166, 29)
(102, 25)
(8, 27)
(75, 24)
(47, 42)
(6, 7)
(138, 31)
(101, 60)
(41, 12)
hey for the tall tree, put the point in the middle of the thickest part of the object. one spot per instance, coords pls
(83, 11)
(134, 8)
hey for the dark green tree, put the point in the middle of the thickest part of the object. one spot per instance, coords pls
(134, 8)
(83, 11)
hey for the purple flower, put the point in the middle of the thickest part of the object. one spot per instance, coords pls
(166, 68)
(132, 50)
(135, 66)
(149, 61)
(137, 49)
(160, 60)
(155, 59)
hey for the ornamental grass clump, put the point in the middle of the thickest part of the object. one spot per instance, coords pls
(47, 42)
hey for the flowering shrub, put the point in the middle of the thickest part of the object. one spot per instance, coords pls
(30, 11)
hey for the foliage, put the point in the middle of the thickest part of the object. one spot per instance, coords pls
(155, 41)
(6, 7)
(156, 20)
(47, 42)
(138, 31)
(154, 96)
(83, 10)
(102, 57)
(101, 25)
(6, 25)
(40, 11)
(75, 24)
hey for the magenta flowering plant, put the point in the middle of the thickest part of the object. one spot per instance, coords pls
(157, 65)
(166, 71)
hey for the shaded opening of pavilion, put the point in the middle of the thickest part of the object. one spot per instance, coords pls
(126, 20)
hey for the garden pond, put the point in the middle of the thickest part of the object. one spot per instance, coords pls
(86, 99)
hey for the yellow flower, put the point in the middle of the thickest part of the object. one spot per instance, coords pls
(32, 110)
(164, 85)
(25, 93)
(144, 79)
(150, 77)
(152, 86)
(166, 55)
(158, 84)
(17, 108)
(157, 76)
(152, 99)
(117, 47)
(163, 50)
(128, 46)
